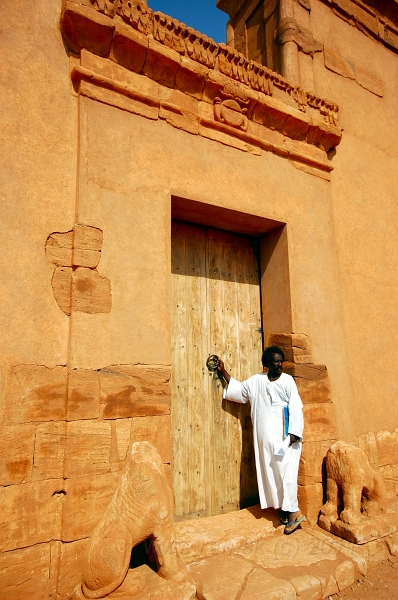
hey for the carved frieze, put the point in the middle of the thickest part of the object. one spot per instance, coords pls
(154, 66)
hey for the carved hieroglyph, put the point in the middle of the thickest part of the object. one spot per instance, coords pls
(356, 495)
(141, 509)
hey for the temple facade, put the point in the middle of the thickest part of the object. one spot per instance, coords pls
(166, 198)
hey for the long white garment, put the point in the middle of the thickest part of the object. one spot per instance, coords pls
(276, 475)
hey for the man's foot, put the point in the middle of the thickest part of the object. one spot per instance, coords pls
(295, 520)
(284, 517)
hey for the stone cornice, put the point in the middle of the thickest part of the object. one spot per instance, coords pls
(215, 88)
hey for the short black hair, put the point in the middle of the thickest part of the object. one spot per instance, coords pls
(267, 354)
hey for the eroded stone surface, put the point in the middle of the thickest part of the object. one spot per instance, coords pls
(16, 453)
(25, 573)
(260, 580)
(35, 393)
(83, 395)
(201, 538)
(308, 587)
(345, 575)
(88, 448)
(136, 390)
(220, 576)
(30, 513)
(298, 550)
(49, 453)
(156, 430)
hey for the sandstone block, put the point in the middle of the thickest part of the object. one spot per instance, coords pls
(35, 393)
(121, 434)
(276, 588)
(83, 395)
(367, 530)
(312, 381)
(59, 248)
(387, 475)
(31, 513)
(61, 283)
(310, 498)
(367, 19)
(308, 587)
(387, 447)
(281, 551)
(331, 587)
(369, 81)
(85, 502)
(201, 538)
(55, 555)
(345, 575)
(392, 544)
(83, 27)
(220, 577)
(90, 293)
(70, 571)
(25, 573)
(367, 443)
(331, 137)
(87, 237)
(137, 390)
(319, 422)
(336, 63)
(156, 430)
(191, 78)
(296, 346)
(88, 448)
(129, 48)
(161, 63)
(16, 453)
(376, 551)
(269, 112)
(296, 125)
(311, 463)
(49, 450)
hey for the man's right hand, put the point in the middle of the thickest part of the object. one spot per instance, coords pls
(221, 369)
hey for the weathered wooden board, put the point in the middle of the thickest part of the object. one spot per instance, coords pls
(216, 310)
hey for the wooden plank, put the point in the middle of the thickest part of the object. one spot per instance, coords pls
(179, 410)
(196, 334)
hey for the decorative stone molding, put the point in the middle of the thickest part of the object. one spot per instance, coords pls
(290, 31)
(213, 90)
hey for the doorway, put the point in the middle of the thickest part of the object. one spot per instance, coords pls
(215, 310)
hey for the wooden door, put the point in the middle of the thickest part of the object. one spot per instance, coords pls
(216, 310)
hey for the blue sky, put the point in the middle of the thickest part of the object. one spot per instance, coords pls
(199, 14)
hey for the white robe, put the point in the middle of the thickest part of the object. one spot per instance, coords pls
(276, 475)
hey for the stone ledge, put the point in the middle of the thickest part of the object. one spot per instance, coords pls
(242, 101)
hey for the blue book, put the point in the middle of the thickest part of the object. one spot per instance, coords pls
(285, 422)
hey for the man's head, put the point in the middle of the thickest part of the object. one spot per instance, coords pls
(273, 358)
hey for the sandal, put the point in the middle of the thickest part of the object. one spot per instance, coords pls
(283, 517)
(293, 525)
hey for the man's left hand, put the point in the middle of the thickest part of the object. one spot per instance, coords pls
(294, 438)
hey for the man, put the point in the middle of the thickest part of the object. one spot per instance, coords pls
(277, 461)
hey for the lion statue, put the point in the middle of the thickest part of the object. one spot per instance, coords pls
(141, 509)
(354, 491)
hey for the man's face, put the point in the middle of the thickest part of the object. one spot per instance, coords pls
(275, 365)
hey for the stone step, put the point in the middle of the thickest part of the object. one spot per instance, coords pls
(208, 536)
(278, 568)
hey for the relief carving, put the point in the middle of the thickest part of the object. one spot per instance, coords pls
(232, 107)
(141, 509)
(137, 14)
